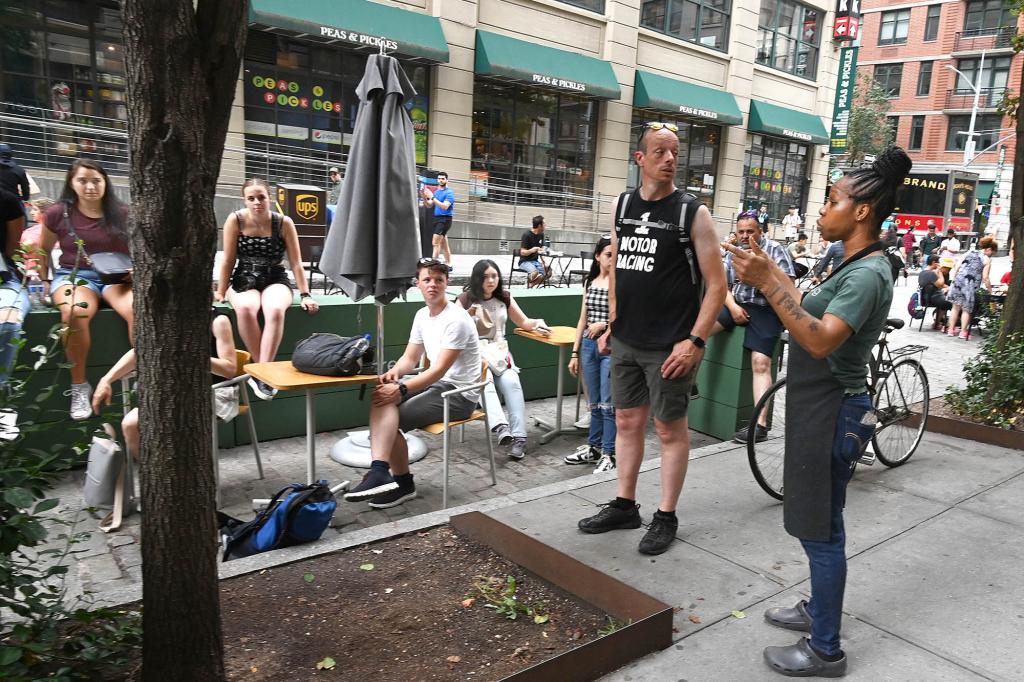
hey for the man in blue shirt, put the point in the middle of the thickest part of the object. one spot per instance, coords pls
(443, 201)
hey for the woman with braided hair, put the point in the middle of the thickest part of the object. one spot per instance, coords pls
(832, 331)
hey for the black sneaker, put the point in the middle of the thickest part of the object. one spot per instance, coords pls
(394, 497)
(375, 482)
(760, 435)
(262, 390)
(612, 517)
(584, 454)
(659, 535)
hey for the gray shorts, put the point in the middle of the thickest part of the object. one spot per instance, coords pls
(637, 382)
(427, 407)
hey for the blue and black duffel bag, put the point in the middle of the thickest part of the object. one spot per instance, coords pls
(295, 515)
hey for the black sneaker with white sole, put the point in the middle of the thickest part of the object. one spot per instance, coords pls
(393, 498)
(614, 516)
(376, 481)
(262, 390)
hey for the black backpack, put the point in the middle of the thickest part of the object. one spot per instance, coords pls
(332, 355)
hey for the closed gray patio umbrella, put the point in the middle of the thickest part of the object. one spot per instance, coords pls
(373, 244)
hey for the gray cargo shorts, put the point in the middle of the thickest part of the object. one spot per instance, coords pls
(427, 407)
(637, 382)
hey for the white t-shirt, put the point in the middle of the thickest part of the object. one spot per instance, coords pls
(451, 329)
(792, 224)
(949, 247)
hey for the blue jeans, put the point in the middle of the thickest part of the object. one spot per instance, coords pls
(512, 391)
(12, 296)
(597, 375)
(828, 559)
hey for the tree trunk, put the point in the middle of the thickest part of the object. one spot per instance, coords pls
(183, 58)
(1013, 311)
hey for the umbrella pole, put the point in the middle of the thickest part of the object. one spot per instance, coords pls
(381, 364)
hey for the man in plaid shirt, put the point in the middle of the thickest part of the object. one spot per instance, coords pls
(747, 306)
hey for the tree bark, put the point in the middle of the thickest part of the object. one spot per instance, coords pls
(1013, 311)
(183, 58)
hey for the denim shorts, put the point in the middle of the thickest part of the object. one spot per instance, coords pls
(91, 278)
(531, 266)
(13, 296)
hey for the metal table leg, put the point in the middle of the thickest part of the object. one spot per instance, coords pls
(310, 437)
(557, 429)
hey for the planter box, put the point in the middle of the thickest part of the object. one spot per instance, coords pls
(650, 627)
(962, 428)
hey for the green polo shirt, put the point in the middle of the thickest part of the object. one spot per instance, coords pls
(859, 295)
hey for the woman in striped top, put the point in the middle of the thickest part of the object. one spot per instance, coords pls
(600, 447)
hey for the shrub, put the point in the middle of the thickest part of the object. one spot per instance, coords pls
(994, 393)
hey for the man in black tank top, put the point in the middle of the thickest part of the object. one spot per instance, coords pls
(665, 293)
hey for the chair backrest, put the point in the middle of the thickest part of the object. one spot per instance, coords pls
(242, 358)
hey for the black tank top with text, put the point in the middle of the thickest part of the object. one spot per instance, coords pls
(658, 283)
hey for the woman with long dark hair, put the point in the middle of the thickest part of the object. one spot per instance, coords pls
(256, 241)
(491, 307)
(832, 331)
(89, 211)
(600, 446)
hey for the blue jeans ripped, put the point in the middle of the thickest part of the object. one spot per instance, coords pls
(827, 560)
(597, 375)
(512, 391)
(12, 296)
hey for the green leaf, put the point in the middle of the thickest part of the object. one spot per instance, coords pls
(19, 497)
(366, 567)
(326, 664)
(738, 614)
(540, 619)
(309, 577)
(9, 654)
(46, 505)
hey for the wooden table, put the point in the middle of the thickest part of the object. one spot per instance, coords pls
(563, 338)
(284, 377)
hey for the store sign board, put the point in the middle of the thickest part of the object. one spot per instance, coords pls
(963, 198)
(847, 24)
(846, 78)
(358, 38)
(702, 113)
(560, 83)
(797, 134)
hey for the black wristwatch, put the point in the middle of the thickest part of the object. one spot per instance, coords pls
(403, 389)
(697, 341)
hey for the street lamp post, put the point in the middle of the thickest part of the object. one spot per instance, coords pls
(970, 143)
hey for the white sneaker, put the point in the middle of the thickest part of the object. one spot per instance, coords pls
(81, 401)
(606, 463)
(583, 422)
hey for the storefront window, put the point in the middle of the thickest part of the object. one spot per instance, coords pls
(300, 103)
(775, 173)
(698, 155)
(532, 145)
(63, 60)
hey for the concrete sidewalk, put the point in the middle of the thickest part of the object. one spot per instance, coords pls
(935, 549)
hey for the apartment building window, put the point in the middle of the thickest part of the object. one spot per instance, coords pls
(994, 75)
(916, 132)
(893, 122)
(705, 22)
(895, 27)
(985, 16)
(924, 79)
(888, 76)
(988, 125)
(931, 24)
(592, 5)
(788, 36)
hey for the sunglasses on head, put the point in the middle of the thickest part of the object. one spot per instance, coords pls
(656, 126)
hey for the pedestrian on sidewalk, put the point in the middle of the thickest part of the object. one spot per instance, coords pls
(666, 253)
(490, 306)
(831, 334)
(593, 322)
(443, 201)
(13, 177)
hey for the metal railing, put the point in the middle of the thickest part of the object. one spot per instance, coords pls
(45, 142)
(978, 39)
(963, 98)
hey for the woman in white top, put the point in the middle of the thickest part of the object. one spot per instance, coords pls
(491, 307)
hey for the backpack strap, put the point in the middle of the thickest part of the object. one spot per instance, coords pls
(623, 206)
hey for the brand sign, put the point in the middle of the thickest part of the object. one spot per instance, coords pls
(962, 205)
(358, 38)
(796, 134)
(693, 111)
(305, 204)
(845, 81)
(847, 26)
(561, 83)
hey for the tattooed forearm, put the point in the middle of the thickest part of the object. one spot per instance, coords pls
(789, 304)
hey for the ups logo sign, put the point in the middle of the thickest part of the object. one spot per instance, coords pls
(307, 206)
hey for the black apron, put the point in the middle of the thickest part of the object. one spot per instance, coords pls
(813, 400)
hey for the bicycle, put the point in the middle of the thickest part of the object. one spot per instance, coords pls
(899, 396)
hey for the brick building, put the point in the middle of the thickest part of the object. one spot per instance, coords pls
(911, 48)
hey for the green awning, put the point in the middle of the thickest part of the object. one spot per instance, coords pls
(504, 57)
(355, 23)
(984, 191)
(776, 120)
(652, 91)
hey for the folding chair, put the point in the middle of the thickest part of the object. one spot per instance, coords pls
(582, 272)
(514, 268)
(443, 427)
(242, 358)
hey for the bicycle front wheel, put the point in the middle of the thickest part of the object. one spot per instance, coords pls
(901, 404)
(767, 457)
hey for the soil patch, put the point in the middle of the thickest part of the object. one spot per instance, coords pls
(395, 610)
(938, 407)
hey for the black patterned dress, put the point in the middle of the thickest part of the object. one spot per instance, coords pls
(259, 258)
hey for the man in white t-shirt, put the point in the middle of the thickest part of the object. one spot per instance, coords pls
(447, 334)
(792, 223)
